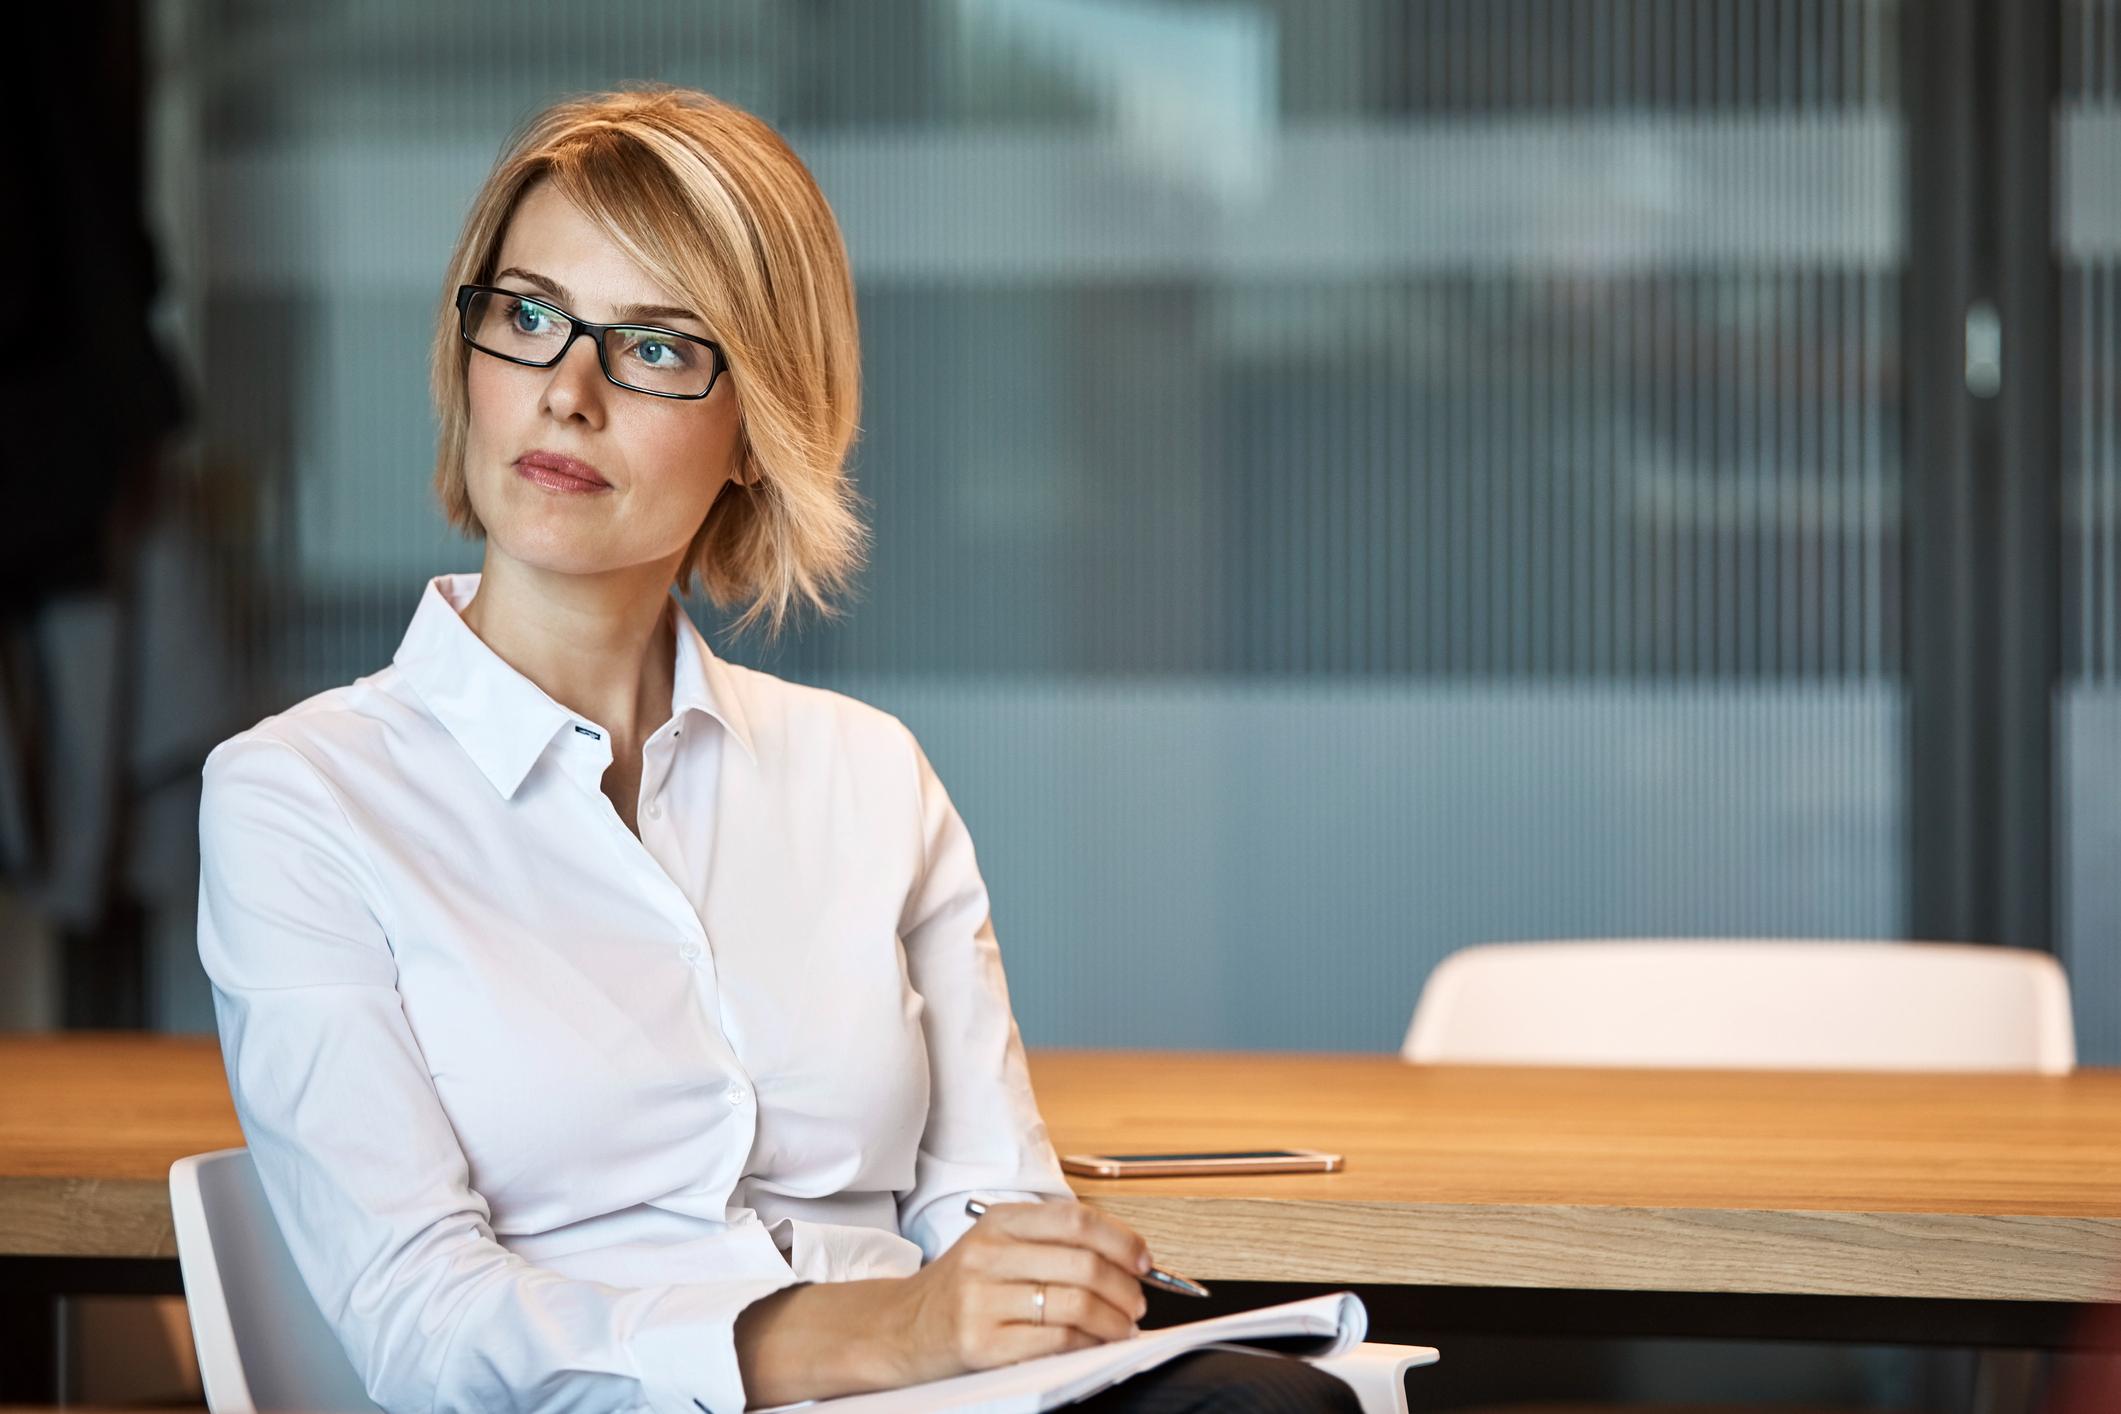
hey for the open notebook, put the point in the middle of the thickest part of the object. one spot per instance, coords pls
(1315, 1328)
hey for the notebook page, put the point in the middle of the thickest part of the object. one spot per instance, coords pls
(1337, 1320)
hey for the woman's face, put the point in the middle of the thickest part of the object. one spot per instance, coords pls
(665, 459)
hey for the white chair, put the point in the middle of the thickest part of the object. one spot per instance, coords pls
(1750, 1004)
(1747, 1004)
(1378, 1373)
(263, 1345)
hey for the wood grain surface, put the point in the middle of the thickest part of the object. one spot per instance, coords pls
(89, 1124)
(1922, 1185)
(1905, 1185)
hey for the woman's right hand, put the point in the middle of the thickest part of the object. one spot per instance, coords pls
(975, 1306)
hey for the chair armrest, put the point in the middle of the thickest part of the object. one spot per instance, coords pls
(1378, 1373)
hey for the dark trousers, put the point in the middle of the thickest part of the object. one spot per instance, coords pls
(1226, 1382)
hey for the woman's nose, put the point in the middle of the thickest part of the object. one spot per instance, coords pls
(575, 379)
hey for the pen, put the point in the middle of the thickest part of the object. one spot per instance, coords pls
(1169, 1281)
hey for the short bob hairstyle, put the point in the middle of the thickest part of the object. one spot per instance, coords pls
(713, 204)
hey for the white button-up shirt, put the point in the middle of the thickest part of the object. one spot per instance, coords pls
(540, 1106)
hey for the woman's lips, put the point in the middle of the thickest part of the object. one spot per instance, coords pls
(554, 474)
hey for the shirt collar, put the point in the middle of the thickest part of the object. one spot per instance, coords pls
(502, 719)
(703, 682)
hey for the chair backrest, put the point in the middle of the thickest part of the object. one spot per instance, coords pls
(263, 1344)
(1747, 1004)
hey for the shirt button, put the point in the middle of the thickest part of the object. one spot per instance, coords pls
(690, 952)
(736, 1094)
(655, 811)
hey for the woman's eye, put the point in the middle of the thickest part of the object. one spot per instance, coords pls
(667, 355)
(525, 308)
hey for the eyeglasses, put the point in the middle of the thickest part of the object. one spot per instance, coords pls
(523, 329)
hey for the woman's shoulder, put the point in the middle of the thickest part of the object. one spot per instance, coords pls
(784, 714)
(331, 730)
(281, 805)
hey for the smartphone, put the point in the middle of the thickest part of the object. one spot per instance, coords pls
(1228, 1161)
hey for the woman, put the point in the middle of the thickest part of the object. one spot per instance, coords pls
(614, 1027)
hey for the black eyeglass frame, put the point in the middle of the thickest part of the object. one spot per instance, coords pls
(577, 328)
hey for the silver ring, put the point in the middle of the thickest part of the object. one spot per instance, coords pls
(1038, 1300)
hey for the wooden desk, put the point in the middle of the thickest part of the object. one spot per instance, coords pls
(1978, 1210)
(1993, 1187)
(89, 1124)
(1941, 1203)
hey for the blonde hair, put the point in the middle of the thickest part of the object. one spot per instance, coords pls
(713, 204)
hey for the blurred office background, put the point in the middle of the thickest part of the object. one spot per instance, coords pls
(1351, 480)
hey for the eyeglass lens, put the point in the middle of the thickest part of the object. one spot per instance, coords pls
(516, 326)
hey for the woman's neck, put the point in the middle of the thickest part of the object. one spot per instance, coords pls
(603, 646)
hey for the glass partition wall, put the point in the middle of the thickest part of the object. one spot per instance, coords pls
(1350, 481)
(2088, 703)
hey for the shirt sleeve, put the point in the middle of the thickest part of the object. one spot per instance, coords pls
(365, 1177)
(984, 1136)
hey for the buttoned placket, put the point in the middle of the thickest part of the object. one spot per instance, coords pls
(590, 756)
(650, 805)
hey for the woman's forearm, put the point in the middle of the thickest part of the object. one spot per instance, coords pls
(963, 1311)
(822, 1340)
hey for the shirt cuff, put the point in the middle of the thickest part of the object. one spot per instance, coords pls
(842, 1251)
(685, 1346)
(938, 1225)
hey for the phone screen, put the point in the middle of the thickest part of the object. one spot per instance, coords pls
(1232, 1154)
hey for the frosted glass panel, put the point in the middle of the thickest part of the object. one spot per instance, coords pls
(1350, 481)
(2088, 725)
(1204, 864)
